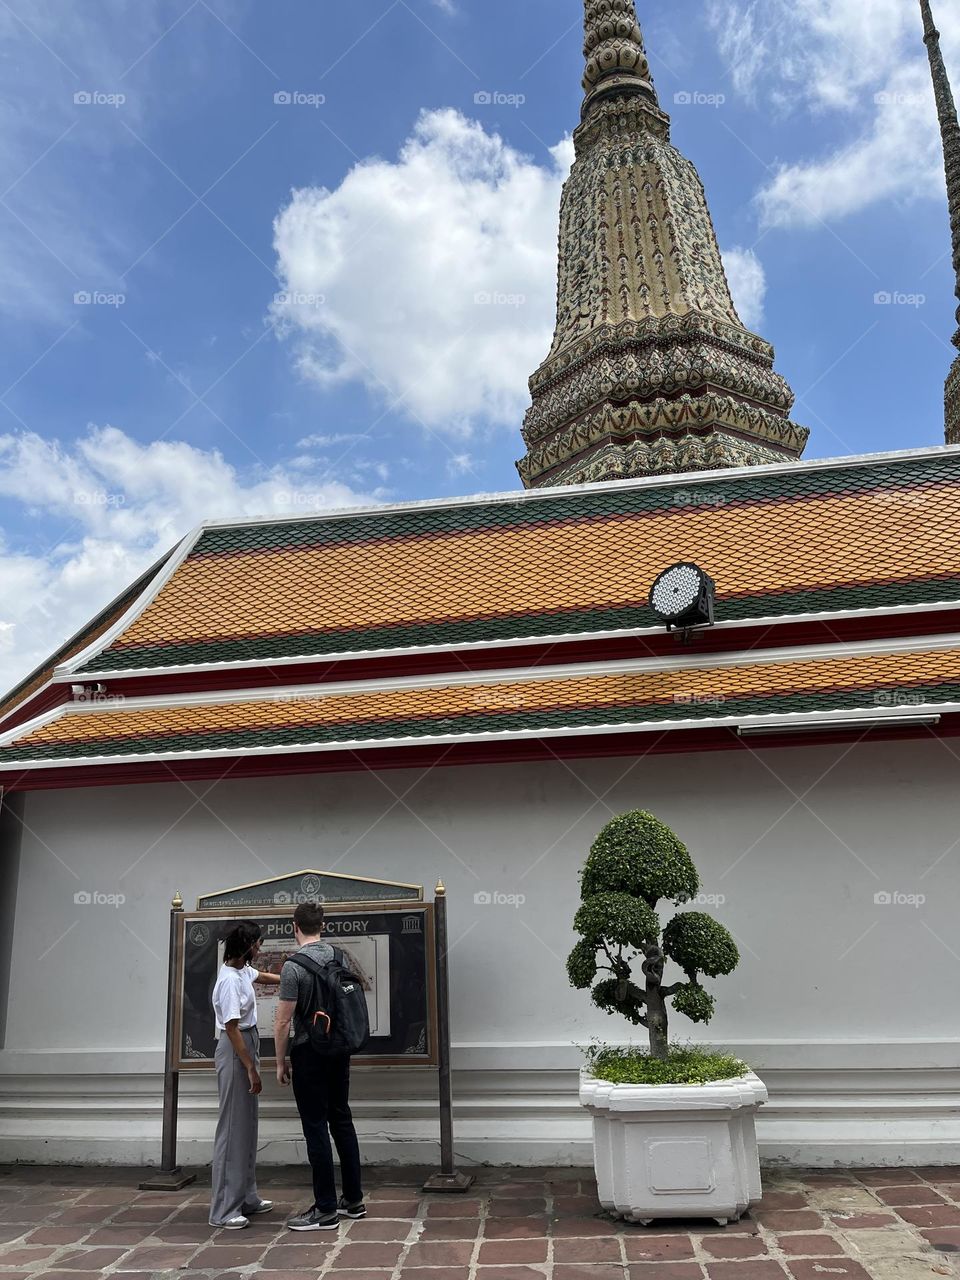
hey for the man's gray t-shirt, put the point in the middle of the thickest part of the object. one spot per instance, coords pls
(297, 984)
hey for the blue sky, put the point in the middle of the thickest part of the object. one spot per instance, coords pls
(284, 217)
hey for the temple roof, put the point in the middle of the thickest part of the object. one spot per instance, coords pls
(779, 541)
(507, 625)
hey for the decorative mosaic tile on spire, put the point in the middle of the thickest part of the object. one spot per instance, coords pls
(950, 132)
(651, 369)
(614, 50)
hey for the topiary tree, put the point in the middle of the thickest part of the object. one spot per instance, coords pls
(635, 862)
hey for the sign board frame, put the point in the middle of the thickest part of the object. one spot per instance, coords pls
(170, 1177)
(367, 1061)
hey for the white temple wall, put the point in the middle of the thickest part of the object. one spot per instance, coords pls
(845, 1005)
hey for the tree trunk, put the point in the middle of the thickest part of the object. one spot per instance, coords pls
(656, 1005)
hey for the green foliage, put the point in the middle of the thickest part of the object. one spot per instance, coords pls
(582, 964)
(617, 920)
(700, 944)
(694, 1003)
(637, 854)
(635, 862)
(686, 1064)
(613, 996)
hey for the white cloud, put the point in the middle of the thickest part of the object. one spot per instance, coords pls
(748, 284)
(117, 505)
(864, 62)
(328, 442)
(431, 278)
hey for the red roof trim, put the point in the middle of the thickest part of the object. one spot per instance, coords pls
(509, 752)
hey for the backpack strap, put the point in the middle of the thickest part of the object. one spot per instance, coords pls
(314, 994)
(307, 962)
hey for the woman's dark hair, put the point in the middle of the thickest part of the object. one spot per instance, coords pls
(241, 940)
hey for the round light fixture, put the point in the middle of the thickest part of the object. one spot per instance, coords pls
(683, 597)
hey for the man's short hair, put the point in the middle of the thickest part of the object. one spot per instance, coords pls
(308, 917)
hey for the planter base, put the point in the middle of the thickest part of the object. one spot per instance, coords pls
(676, 1151)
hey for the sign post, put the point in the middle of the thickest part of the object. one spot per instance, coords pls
(449, 1178)
(170, 1177)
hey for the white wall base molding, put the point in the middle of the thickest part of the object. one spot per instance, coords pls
(511, 1108)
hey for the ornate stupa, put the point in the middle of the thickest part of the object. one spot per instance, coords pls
(950, 131)
(651, 369)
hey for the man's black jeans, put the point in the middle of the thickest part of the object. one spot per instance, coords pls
(321, 1087)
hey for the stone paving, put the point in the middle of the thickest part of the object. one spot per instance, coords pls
(83, 1224)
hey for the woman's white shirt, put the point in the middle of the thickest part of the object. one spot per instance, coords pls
(234, 998)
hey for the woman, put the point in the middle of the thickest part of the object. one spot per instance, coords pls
(235, 1195)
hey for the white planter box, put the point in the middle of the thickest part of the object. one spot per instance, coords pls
(676, 1151)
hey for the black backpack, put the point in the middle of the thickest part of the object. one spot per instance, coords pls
(337, 1020)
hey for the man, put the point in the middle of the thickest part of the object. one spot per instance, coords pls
(321, 1086)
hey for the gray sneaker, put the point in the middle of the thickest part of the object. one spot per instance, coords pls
(262, 1206)
(357, 1210)
(314, 1220)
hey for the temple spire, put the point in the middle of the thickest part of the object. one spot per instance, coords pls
(651, 370)
(613, 47)
(950, 132)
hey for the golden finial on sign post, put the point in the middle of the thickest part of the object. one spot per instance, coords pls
(441, 890)
(177, 903)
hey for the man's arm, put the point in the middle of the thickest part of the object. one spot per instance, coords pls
(281, 1037)
(289, 994)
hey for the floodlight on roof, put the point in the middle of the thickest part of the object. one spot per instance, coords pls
(683, 597)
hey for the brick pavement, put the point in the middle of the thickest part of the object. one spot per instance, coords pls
(84, 1224)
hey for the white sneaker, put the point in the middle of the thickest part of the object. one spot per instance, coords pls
(233, 1224)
